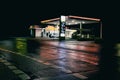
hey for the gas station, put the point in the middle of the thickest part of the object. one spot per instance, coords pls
(68, 27)
(42, 57)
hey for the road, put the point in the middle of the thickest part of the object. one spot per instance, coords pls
(74, 60)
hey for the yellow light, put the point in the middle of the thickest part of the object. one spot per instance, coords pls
(51, 28)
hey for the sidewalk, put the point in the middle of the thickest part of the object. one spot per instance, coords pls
(9, 72)
(6, 73)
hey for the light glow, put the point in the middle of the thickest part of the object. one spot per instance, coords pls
(62, 35)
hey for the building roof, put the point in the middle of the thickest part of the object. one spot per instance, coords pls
(71, 20)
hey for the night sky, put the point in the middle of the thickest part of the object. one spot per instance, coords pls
(17, 16)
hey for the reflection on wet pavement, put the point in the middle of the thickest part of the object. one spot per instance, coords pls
(75, 59)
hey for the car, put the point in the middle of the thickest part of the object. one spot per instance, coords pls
(79, 36)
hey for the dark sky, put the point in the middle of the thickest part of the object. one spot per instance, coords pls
(17, 16)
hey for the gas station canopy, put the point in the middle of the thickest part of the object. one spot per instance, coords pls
(72, 20)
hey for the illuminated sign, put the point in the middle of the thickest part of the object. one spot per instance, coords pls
(62, 27)
(62, 18)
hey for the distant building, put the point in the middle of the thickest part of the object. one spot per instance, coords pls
(82, 27)
(36, 31)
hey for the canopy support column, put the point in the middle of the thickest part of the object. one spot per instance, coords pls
(101, 30)
(80, 28)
